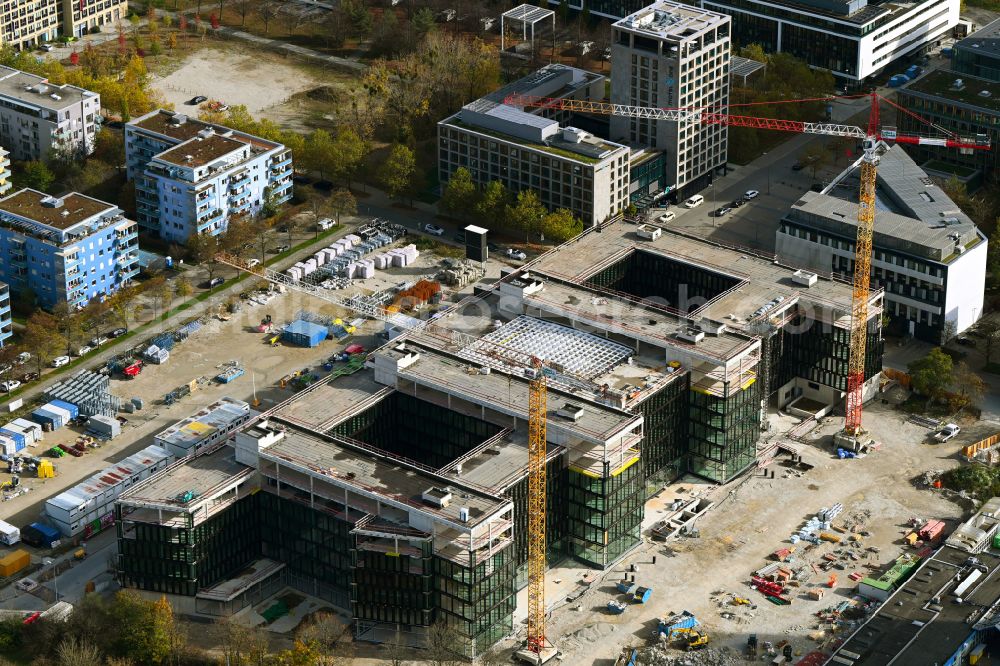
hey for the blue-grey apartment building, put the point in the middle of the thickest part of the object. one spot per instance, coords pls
(71, 248)
(192, 177)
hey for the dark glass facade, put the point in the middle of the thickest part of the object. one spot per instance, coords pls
(183, 560)
(418, 430)
(477, 600)
(820, 353)
(664, 434)
(677, 285)
(723, 431)
(604, 512)
(556, 478)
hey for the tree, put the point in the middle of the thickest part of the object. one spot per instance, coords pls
(266, 11)
(69, 324)
(816, 156)
(948, 331)
(144, 630)
(969, 387)
(320, 152)
(78, 652)
(172, 41)
(350, 152)
(124, 303)
(243, 7)
(161, 292)
(444, 644)
(202, 249)
(328, 635)
(182, 287)
(38, 176)
(423, 22)
(993, 256)
(493, 203)
(360, 19)
(526, 215)
(930, 376)
(242, 645)
(460, 195)
(109, 147)
(42, 338)
(342, 202)
(560, 225)
(990, 330)
(397, 170)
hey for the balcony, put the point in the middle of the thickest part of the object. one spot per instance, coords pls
(280, 161)
(128, 259)
(241, 207)
(128, 273)
(235, 185)
(131, 234)
(210, 215)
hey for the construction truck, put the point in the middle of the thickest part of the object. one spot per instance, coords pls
(752, 647)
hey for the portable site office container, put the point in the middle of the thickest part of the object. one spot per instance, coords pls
(47, 418)
(66, 414)
(19, 439)
(9, 535)
(74, 411)
(7, 446)
(104, 427)
(32, 431)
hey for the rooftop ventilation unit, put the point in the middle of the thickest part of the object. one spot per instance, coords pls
(648, 231)
(439, 497)
(571, 411)
(984, 93)
(958, 84)
(804, 278)
(51, 202)
(691, 334)
(178, 119)
(573, 135)
(711, 327)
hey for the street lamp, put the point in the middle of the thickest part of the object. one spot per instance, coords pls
(49, 562)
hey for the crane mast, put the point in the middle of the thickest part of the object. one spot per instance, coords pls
(537, 410)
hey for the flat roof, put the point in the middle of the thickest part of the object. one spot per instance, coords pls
(201, 150)
(326, 403)
(57, 212)
(109, 477)
(910, 628)
(528, 13)
(671, 21)
(762, 279)
(986, 40)
(507, 392)
(940, 83)
(366, 471)
(199, 426)
(35, 90)
(744, 66)
(913, 214)
(177, 126)
(202, 476)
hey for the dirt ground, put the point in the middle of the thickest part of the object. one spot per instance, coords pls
(264, 82)
(752, 519)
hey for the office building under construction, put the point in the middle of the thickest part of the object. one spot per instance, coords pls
(399, 493)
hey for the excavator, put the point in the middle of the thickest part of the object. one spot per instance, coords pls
(689, 638)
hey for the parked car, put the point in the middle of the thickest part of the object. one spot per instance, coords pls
(965, 341)
(29, 377)
(215, 282)
(9, 385)
(947, 432)
(118, 332)
(666, 217)
(281, 248)
(736, 203)
(253, 262)
(515, 254)
(725, 210)
(4, 369)
(60, 361)
(84, 349)
(197, 99)
(23, 358)
(433, 229)
(750, 194)
(798, 166)
(47, 48)
(98, 341)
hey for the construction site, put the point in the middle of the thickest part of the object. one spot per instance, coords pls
(402, 495)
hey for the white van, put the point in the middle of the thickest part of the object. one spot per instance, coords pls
(666, 217)
(694, 201)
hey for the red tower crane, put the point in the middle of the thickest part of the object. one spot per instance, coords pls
(873, 139)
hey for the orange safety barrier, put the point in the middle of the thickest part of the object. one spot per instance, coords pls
(898, 375)
(973, 449)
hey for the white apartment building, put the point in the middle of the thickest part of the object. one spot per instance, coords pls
(928, 256)
(38, 117)
(81, 16)
(670, 55)
(26, 23)
(192, 177)
(526, 150)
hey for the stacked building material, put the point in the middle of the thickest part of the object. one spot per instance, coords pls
(89, 391)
